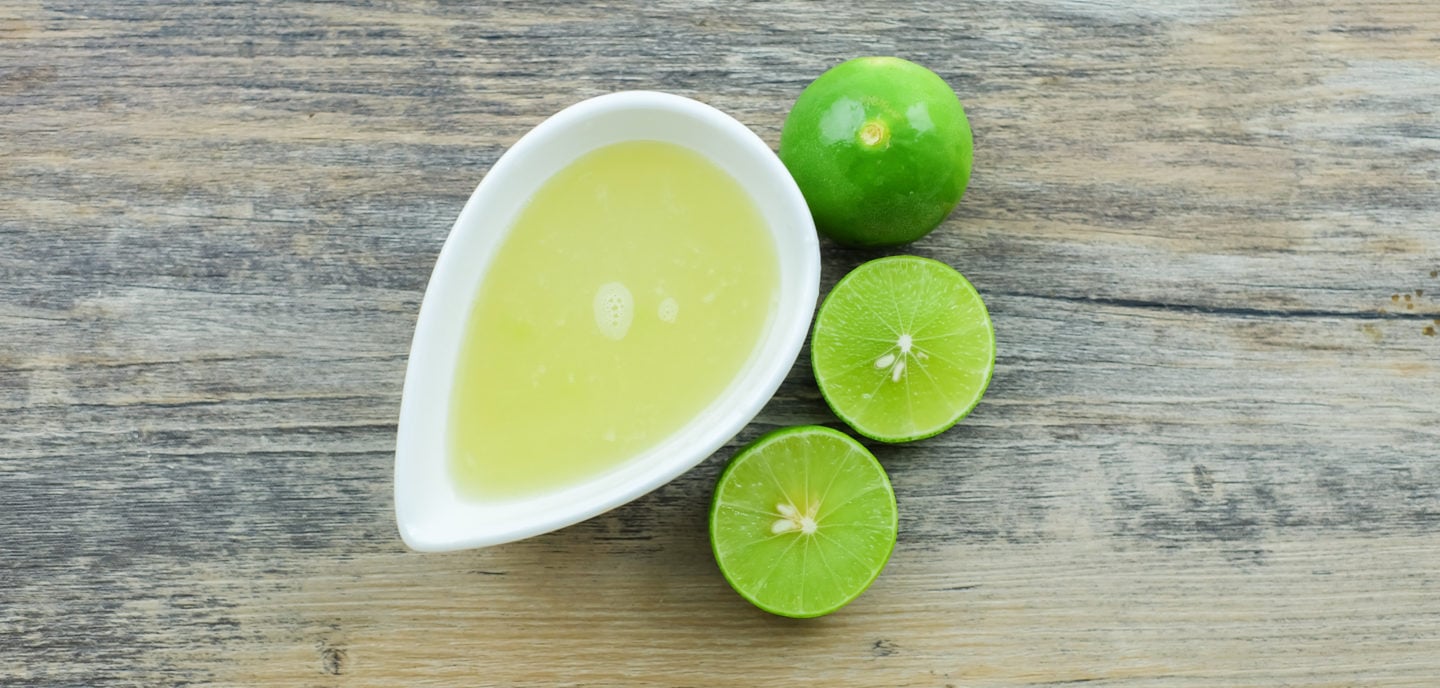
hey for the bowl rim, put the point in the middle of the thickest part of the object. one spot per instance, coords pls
(780, 341)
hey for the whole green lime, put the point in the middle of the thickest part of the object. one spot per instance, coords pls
(881, 149)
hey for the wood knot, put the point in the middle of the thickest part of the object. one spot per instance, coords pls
(1204, 480)
(333, 660)
(883, 648)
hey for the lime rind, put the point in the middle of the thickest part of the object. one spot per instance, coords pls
(903, 348)
(778, 482)
(881, 148)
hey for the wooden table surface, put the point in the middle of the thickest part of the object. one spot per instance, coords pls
(1208, 232)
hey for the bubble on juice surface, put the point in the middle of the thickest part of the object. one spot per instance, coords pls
(669, 309)
(614, 310)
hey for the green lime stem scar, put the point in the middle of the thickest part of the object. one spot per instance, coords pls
(874, 134)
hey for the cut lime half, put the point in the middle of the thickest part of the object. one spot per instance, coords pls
(803, 520)
(903, 348)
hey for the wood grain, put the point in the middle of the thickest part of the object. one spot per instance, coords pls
(1208, 233)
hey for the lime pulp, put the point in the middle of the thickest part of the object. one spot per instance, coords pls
(903, 348)
(803, 520)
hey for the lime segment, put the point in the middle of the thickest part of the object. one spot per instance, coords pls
(903, 348)
(803, 520)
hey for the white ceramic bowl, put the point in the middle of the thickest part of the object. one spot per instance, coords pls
(431, 515)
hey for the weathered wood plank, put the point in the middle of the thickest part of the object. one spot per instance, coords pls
(1207, 231)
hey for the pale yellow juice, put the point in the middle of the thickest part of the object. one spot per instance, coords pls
(630, 291)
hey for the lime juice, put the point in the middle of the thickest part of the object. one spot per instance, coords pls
(629, 292)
